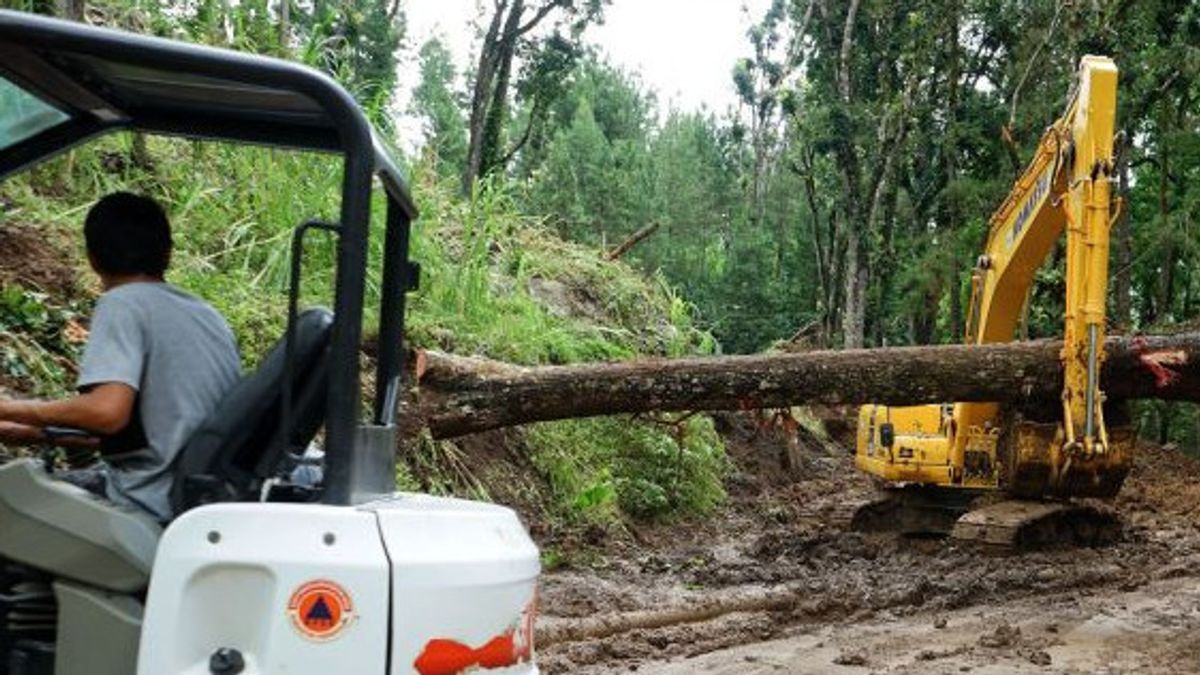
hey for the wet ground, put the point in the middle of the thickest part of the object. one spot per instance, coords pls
(880, 603)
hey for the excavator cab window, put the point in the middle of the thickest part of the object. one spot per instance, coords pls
(887, 434)
(23, 115)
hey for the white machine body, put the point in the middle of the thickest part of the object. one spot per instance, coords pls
(408, 584)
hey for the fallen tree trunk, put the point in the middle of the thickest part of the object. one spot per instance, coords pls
(600, 626)
(460, 395)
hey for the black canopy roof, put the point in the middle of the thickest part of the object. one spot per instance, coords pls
(62, 83)
(106, 80)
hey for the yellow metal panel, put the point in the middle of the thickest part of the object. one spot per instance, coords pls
(920, 452)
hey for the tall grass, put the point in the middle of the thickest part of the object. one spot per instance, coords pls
(495, 283)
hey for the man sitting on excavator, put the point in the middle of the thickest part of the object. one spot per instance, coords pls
(157, 363)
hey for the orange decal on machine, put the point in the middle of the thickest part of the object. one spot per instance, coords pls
(443, 656)
(320, 609)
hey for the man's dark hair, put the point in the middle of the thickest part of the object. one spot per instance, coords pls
(128, 234)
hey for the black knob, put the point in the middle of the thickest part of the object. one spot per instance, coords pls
(226, 661)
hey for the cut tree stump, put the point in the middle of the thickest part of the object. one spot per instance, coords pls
(458, 395)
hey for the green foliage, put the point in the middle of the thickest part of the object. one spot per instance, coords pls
(599, 468)
(35, 351)
(232, 209)
(855, 178)
(356, 41)
(439, 106)
(544, 60)
(502, 286)
(495, 283)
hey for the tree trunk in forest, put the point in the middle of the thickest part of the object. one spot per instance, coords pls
(493, 75)
(459, 395)
(497, 109)
(824, 241)
(1166, 411)
(856, 228)
(285, 26)
(854, 309)
(952, 212)
(1165, 292)
(75, 10)
(886, 281)
(481, 95)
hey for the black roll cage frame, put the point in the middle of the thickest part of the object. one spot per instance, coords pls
(222, 95)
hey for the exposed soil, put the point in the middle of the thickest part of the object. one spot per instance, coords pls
(883, 603)
(37, 260)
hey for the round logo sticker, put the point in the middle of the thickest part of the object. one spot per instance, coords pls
(320, 609)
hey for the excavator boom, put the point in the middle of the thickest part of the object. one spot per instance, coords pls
(1065, 449)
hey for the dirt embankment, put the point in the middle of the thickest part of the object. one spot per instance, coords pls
(880, 603)
(36, 260)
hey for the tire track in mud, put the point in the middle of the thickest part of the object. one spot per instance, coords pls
(773, 563)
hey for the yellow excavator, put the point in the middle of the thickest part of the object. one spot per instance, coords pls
(941, 462)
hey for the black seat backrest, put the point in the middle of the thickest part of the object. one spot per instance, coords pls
(241, 444)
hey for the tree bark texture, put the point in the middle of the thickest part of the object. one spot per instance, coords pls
(481, 95)
(600, 626)
(459, 395)
(508, 25)
(497, 110)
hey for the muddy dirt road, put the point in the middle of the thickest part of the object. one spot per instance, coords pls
(880, 603)
(1153, 629)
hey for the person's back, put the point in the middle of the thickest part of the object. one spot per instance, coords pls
(180, 356)
(157, 362)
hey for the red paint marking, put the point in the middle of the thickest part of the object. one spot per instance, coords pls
(451, 657)
(443, 656)
(1159, 363)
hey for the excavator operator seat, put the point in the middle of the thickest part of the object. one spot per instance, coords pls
(62, 529)
(242, 444)
(65, 530)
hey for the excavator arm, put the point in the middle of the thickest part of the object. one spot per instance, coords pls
(1067, 450)
(1065, 187)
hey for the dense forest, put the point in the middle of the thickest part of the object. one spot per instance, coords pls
(844, 200)
(841, 202)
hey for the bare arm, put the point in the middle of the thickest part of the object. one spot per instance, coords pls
(103, 409)
(12, 433)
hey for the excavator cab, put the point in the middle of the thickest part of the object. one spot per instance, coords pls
(261, 572)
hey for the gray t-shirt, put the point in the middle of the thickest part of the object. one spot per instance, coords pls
(180, 356)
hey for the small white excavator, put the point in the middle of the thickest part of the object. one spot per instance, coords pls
(260, 573)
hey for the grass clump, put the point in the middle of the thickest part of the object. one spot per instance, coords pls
(39, 342)
(602, 467)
